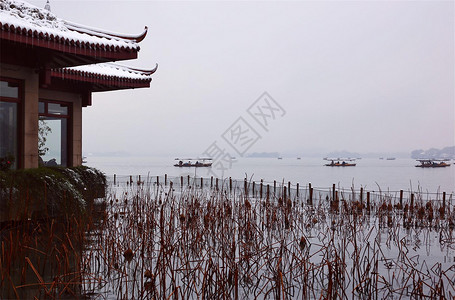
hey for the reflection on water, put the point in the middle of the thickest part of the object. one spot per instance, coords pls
(41, 259)
(45, 258)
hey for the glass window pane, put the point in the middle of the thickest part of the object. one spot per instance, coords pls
(57, 109)
(8, 132)
(9, 89)
(41, 107)
(52, 141)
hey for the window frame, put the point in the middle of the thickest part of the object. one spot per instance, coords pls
(50, 115)
(69, 124)
(20, 118)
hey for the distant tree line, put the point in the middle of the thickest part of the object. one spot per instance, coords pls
(445, 153)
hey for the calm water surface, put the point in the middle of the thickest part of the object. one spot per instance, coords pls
(371, 174)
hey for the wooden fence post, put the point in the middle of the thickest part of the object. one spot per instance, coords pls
(368, 201)
(260, 191)
(310, 191)
(412, 202)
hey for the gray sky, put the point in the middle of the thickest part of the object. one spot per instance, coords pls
(360, 76)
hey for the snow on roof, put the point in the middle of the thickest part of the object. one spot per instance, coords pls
(111, 70)
(23, 17)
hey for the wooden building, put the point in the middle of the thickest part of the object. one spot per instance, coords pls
(49, 69)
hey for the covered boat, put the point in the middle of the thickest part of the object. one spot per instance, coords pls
(200, 162)
(341, 163)
(432, 163)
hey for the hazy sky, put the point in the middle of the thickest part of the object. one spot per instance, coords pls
(360, 76)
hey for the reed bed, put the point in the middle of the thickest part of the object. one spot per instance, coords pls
(204, 243)
(156, 241)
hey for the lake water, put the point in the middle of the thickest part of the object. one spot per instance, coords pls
(371, 174)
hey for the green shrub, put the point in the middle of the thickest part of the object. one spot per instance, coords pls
(49, 192)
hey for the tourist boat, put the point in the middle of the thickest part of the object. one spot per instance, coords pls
(432, 163)
(200, 162)
(340, 163)
(391, 158)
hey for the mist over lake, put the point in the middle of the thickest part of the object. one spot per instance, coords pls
(369, 173)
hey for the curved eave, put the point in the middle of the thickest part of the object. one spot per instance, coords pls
(146, 72)
(100, 33)
(101, 82)
(65, 45)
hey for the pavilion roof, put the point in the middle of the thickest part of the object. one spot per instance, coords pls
(105, 76)
(23, 23)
